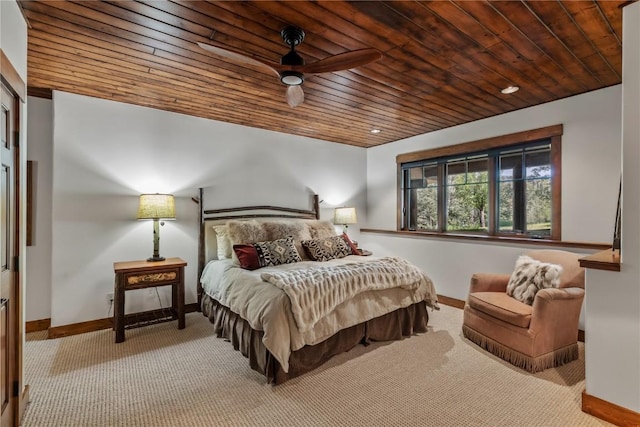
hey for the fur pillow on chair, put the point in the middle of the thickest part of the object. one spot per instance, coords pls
(529, 276)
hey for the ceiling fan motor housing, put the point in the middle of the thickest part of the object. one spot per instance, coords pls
(292, 36)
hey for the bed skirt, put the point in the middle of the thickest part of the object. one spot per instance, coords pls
(396, 325)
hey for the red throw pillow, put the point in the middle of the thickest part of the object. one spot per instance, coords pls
(248, 256)
(354, 249)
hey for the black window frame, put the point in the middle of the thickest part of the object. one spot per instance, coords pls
(491, 148)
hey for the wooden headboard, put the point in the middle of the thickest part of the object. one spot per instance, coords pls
(244, 212)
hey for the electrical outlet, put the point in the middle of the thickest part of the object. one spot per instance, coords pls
(109, 298)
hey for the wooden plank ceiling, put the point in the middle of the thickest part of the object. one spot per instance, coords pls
(444, 62)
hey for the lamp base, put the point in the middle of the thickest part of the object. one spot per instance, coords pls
(156, 258)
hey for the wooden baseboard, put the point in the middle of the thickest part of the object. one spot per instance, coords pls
(80, 328)
(106, 323)
(452, 302)
(37, 325)
(608, 411)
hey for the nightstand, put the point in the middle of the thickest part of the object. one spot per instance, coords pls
(146, 274)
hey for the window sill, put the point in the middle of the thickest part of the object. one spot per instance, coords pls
(490, 239)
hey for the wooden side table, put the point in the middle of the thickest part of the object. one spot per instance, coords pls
(145, 274)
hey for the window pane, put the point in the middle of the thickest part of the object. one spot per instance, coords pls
(478, 171)
(431, 175)
(467, 207)
(539, 206)
(467, 195)
(510, 167)
(456, 173)
(427, 208)
(505, 207)
(538, 164)
(415, 178)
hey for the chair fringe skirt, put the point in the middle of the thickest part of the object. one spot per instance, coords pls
(528, 363)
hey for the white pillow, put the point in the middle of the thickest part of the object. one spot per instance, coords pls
(529, 276)
(222, 241)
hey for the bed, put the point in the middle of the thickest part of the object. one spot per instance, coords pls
(284, 289)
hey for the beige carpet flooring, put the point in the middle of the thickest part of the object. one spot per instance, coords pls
(161, 376)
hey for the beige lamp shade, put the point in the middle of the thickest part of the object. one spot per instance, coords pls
(156, 206)
(345, 216)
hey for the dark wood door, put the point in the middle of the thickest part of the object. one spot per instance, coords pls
(8, 285)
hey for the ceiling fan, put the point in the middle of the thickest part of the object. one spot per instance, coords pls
(292, 68)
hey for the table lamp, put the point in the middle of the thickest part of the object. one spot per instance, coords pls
(156, 207)
(345, 216)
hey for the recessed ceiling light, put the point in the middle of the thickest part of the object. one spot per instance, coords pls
(510, 89)
(375, 131)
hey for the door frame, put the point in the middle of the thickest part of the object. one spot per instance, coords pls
(10, 77)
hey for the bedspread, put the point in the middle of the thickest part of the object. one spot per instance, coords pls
(267, 308)
(315, 292)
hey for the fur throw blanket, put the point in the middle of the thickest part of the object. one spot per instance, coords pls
(315, 292)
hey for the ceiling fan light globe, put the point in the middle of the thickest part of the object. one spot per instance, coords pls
(291, 78)
(294, 95)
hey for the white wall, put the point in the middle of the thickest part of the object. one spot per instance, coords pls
(13, 36)
(612, 346)
(40, 151)
(107, 153)
(590, 180)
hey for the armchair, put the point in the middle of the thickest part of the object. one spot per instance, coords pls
(532, 337)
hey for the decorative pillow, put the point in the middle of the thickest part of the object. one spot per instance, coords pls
(354, 248)
(321, 229)
(529, 276)
(326, 249)
(299, 230)
(223, 244)
(247, 256)
(243, 232)
(264, 254)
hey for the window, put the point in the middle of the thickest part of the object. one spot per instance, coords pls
(504, 186)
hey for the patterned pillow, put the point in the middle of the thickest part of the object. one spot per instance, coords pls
(326, 249)
(264, 254)
(529, 276)
(223, 244)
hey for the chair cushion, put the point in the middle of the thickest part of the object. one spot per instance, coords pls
(502, 306)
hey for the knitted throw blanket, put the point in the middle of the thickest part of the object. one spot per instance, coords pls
(315, 292)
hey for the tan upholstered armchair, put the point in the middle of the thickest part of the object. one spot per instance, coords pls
(532, 337)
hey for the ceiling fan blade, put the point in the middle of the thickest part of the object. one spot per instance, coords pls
(295, 95)
(342, 61)
(241, 57)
